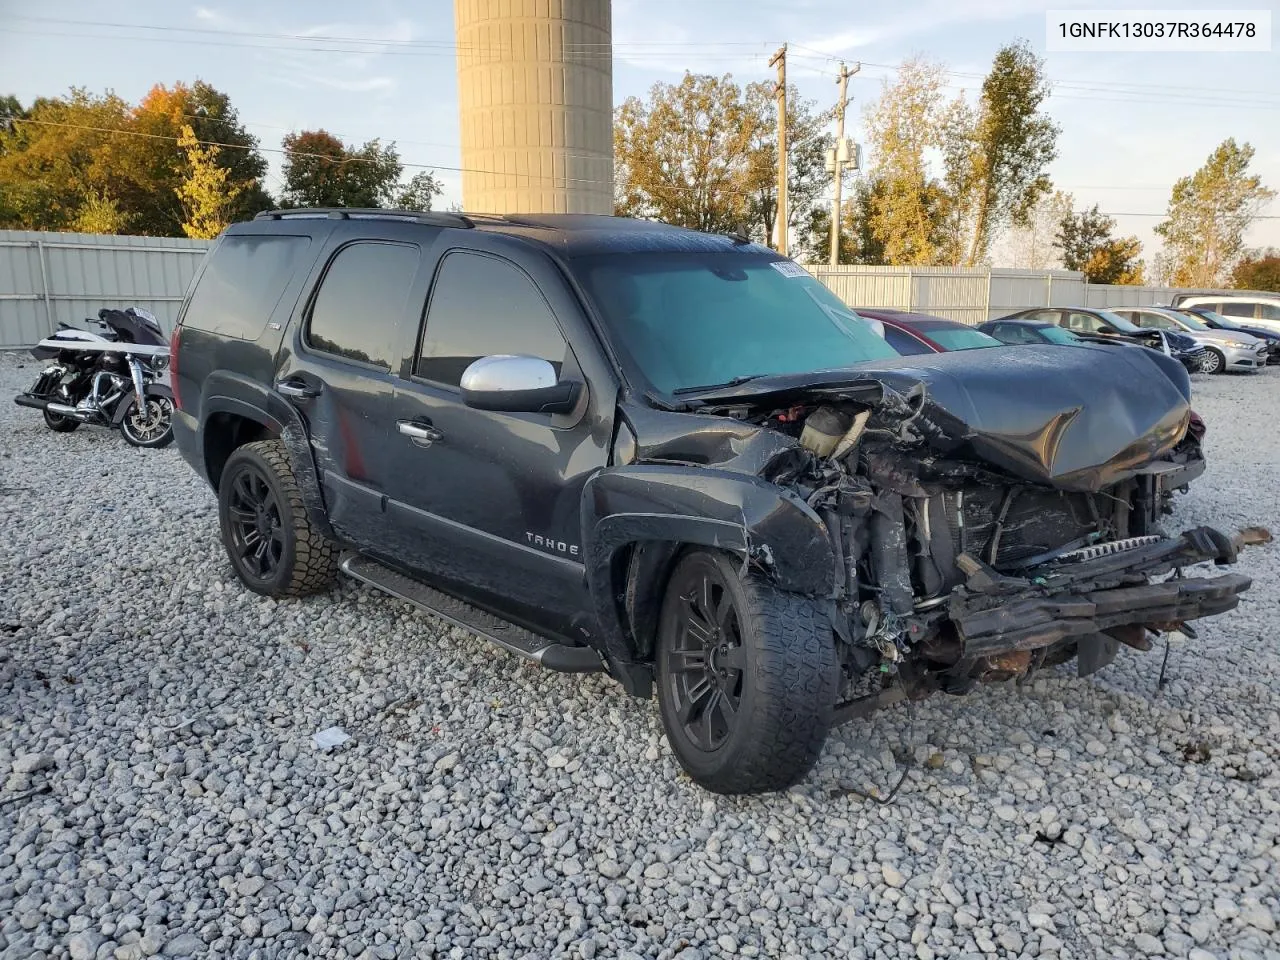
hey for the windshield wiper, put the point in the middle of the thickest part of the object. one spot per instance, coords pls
(680, 391)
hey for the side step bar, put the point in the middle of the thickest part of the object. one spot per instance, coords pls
(524, 643)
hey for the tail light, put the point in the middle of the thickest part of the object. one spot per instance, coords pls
(173, 367)
(1196, 427)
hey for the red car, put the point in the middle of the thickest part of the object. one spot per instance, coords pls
(915, 333)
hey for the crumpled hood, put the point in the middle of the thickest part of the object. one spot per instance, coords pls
(1075, 417)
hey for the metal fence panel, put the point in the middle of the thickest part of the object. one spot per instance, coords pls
(52, 278)
(973, 295)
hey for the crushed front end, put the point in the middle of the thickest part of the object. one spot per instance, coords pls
(987, 519)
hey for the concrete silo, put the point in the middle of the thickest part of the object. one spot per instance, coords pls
(535, 89)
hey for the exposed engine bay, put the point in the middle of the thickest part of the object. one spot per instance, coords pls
(980, 535)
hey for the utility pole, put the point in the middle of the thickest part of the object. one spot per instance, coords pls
(843, 81)
(780, 58)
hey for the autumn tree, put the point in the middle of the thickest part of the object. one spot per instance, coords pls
(1259, 271)
(859, 244)
(321, 171)
(904, 125)
(682, 155)
(1209, 213)
(205, 192)
(86, 159)
(1011, 143)
(419, 192)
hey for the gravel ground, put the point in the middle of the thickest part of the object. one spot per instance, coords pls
(485, 808)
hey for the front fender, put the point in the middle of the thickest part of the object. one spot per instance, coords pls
(770, 528)
(152, 390)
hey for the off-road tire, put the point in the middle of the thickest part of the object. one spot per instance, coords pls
(60, 424)
(789, 682)
(308, 562)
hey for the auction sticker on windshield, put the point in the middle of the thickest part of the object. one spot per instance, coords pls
(1164, 31)
(789, 269)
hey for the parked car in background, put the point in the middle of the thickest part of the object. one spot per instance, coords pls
(1103, 326)
(1226, 351)
(916, 333)
(1217, 321)
(1016, 332)
(1255, 310)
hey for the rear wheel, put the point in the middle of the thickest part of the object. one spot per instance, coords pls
(1213, 362)
(267, 534)
(747, 677)
(60, 424)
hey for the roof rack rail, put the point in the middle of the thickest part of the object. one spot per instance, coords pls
(433, 217)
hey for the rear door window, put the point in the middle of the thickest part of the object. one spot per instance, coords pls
(241, 285)
(903, 342)
(480, 306)
(362, 300)
(1085, 322)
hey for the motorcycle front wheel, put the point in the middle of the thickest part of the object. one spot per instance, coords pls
(151, 427)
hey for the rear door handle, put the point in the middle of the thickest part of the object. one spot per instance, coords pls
(297, 389)
(420, 431)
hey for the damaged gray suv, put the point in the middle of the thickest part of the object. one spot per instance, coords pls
(678, 458)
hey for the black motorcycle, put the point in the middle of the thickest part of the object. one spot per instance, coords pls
(112, 376)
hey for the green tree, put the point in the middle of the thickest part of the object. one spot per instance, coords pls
(1260, 271)
(100, 213)
(1087, 245)
(1012, 142)
(859, 243)
(10, 111)
(320, 171)
(1209, 213)
(419, 192)
(807, 143)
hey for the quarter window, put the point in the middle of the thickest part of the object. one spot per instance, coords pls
(1237, 309)
(481, 306)
(361, 302)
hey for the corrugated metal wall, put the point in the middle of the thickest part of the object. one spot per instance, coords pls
(975, 295)
(48, 278)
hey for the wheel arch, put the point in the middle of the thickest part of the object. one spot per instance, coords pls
(638, 521)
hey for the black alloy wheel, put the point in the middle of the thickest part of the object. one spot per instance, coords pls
(747, 676)
(256, 526)
(705, 662)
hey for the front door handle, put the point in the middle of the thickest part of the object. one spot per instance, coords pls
(297, 390)
(421, 432)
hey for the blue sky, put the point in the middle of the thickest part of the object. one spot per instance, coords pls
(1131, 123)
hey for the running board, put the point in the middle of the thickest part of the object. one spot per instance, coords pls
(524, 643)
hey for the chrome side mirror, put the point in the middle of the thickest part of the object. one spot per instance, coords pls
(517, 384)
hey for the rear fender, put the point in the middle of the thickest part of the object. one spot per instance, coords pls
(249, 399)
(771, 530)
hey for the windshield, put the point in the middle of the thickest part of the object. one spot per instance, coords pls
(960, 338)
(1117, 321)
(693, 319)
(1219, 320)
(1058, 335)
(1192, 321)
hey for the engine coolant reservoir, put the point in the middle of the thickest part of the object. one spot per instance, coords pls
(823, 429)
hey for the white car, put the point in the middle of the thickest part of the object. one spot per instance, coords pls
(1250, 310)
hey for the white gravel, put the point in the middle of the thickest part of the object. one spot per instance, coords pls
(485, 808)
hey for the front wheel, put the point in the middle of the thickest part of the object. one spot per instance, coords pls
(747, 677)
(60, 424)
(1213, 362)
(151, 427)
